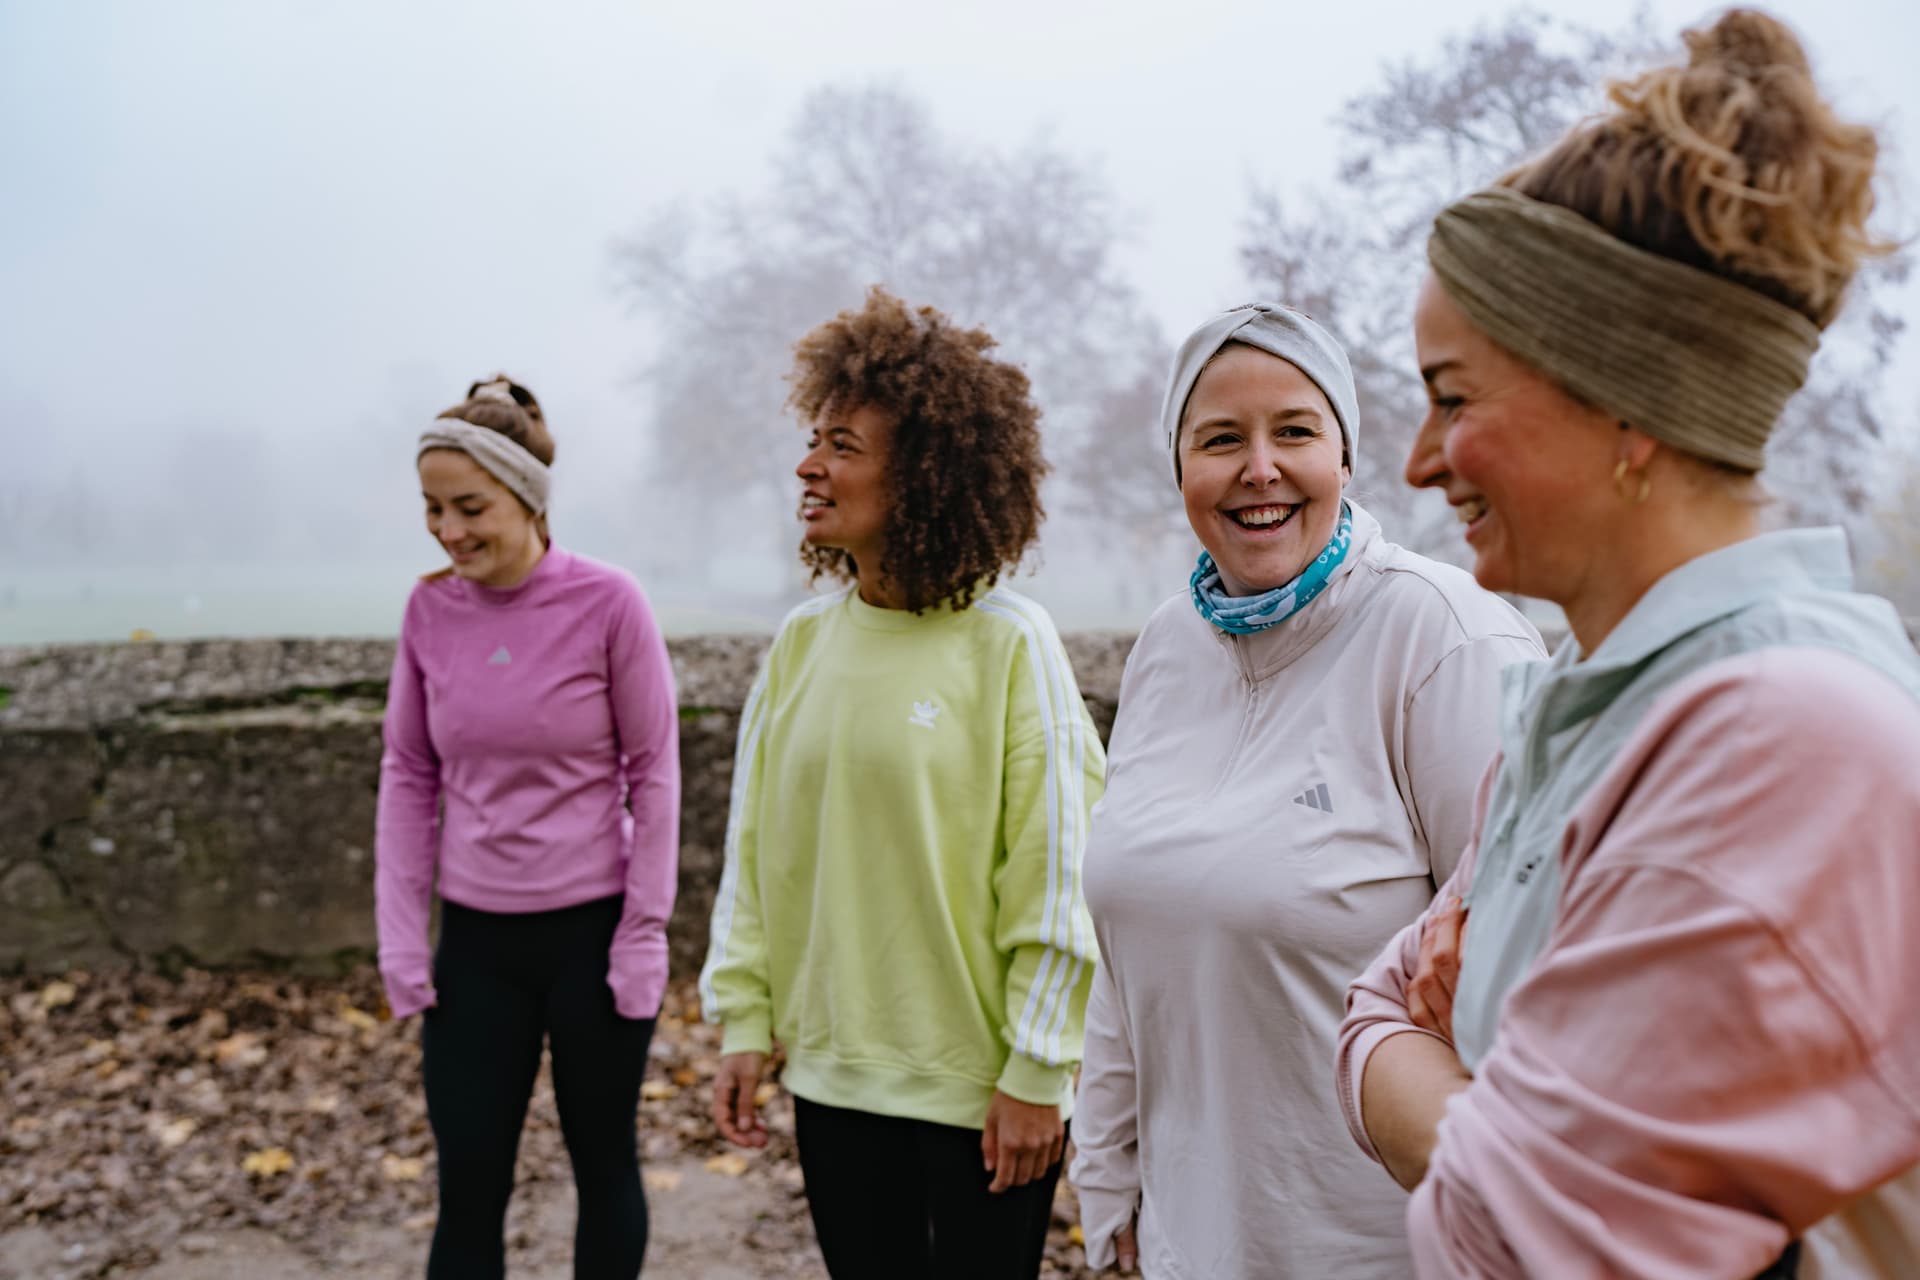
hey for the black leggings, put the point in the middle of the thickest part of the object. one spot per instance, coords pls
(894, 1198)
(505, 984)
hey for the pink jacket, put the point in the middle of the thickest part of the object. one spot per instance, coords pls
(1718, 1047)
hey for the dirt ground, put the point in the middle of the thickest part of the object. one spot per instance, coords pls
(705, 1226)
(261, 1127)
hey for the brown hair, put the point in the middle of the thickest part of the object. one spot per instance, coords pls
(1732, 163)
(966, 462)
(519, 420)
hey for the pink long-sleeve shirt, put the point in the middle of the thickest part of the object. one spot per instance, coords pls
(1716, 1049)
(532, 763)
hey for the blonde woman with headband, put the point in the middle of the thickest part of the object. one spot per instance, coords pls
(531, 776)
(1678, 1039)
(1291, 778)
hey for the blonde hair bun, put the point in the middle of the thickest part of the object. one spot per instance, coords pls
(1732, 162)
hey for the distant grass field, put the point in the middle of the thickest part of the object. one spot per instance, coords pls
(59, 607)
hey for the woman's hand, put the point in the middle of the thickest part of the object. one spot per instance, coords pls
(1020, 1141)
(734, 1108)
(1126, 1245)
(1430, 993)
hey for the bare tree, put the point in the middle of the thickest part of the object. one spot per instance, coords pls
(1889, 544)
(1123, 495)
(866, 189)
(1352, 254)
(1826, 456)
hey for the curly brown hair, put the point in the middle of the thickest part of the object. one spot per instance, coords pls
(966, 464)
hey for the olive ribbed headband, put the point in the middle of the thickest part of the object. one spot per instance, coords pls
(1690, 358)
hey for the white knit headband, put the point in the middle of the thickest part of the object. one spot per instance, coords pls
(502, 458)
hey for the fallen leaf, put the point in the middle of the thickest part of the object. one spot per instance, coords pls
(241, 1049)
(729, 1164)
(1076, 1235)
(122, 1080)
(402, 1168)
(175, 1132)
(657, 1090)
(173, 1125)
(268, 1162)
(765, 1093)
(57, 994)
(663, 1180)
(358, 1019)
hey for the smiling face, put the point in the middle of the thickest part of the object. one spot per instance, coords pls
(487, 533)
(846, 490)
(1260, 468)
(1527, 467)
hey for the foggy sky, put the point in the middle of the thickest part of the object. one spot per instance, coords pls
(305, 227)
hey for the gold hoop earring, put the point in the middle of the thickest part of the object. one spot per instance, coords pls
(1620, 486)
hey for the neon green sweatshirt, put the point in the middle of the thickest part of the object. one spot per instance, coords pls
(901, 901)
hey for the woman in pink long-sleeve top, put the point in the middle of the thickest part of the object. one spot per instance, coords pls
(532, 769)
(1676, 1038)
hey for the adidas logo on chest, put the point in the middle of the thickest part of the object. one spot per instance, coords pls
(500, 657)
(1316, 797)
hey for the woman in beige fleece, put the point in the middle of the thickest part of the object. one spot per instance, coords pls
(1290, 778)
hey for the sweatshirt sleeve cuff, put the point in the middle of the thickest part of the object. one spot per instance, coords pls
(1102, 1214)
(752, 1033)
(409, 989)
(1035, 1082)
(638, 976)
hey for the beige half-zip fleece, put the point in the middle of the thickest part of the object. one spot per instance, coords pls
(1278, 806)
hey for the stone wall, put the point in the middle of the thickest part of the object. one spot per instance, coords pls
(212, 802)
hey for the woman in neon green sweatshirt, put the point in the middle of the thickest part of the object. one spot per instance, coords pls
(901, 902)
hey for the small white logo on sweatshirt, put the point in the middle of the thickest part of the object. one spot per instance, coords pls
(500, 657)
(1315, 797)
(924, 714)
